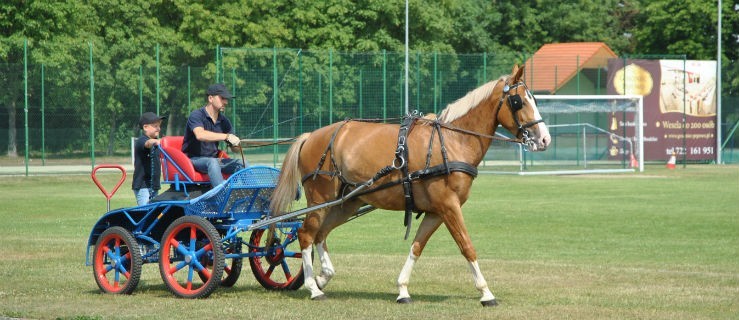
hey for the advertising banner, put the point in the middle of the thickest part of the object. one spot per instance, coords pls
(679, 105)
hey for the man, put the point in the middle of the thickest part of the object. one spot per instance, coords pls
(146, 170)
(206, 127)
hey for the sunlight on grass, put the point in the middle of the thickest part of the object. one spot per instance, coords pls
(658, 245)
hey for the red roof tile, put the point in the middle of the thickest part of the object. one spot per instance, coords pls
(558, 62)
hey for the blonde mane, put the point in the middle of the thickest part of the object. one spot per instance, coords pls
(464, 104)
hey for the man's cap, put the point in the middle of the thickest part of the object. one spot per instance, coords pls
(219, 89)
(149, 118)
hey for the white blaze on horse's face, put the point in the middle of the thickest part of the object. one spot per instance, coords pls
(539, 132)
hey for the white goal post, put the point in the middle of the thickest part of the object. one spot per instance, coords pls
(590, 134)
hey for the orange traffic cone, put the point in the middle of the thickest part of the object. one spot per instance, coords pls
(671, 162)
(634, 163)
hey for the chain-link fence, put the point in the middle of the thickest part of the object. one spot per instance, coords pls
(87, 111)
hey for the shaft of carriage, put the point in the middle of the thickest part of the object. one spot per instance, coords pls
(304, 211)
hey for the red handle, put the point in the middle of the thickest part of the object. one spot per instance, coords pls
(100, 186)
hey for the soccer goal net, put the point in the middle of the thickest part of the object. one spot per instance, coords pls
(590, 134)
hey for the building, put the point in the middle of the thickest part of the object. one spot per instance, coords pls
(569, 68)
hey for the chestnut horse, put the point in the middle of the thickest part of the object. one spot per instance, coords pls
(337, 158)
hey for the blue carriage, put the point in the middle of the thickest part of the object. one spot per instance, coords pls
(197, 234)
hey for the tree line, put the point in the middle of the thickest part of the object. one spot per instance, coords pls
(186, 32)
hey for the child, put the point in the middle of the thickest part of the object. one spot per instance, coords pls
(147, 172)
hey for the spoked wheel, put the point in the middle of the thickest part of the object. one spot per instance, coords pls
(117, 261)
(277, 263)
(191, 258)
(232, 270)
(232, 266)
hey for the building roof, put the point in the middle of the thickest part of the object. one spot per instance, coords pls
(555, 64)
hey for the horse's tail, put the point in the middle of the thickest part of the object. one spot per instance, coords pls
(289, 181)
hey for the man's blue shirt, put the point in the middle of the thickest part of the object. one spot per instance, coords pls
(191, 146)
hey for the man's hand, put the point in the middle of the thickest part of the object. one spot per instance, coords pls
(233, 140)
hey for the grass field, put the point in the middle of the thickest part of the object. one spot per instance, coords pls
(663, 244)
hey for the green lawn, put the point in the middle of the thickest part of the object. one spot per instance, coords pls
(662, 244)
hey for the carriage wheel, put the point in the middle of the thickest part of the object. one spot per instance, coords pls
(117, 261)
(188, 242)
(277, 264)
(232, 269)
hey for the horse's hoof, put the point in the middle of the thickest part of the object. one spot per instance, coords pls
(319, 297)
(489, 303)
(404, 300)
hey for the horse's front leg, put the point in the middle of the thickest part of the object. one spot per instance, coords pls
(429, 224)
(455, 224)
(487, 299)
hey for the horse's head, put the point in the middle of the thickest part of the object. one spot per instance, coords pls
(521, 117)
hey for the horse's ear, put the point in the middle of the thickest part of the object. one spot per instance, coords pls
(517, 73)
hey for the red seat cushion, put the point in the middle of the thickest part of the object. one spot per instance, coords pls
(172, 146)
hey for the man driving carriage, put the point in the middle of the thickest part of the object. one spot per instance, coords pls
(206, 127)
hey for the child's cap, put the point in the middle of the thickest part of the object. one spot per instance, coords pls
(149, 118)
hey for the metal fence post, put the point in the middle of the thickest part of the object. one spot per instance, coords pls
(25, 94)
(43, 117)
(384, 84)
(92, 109)
(436, 96)
(157, 54)
(331, 85)
(275, 105)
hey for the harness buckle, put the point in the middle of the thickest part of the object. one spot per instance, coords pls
(402, 162)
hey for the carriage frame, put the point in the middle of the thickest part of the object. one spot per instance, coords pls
(196, 236)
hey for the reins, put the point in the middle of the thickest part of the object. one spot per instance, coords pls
(254, 144)
(401, 161)
(473, 133)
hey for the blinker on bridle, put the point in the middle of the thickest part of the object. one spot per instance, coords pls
(516, 103)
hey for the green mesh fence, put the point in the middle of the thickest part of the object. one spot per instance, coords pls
(281, 93)
(87, 111)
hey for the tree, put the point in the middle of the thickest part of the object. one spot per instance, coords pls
(46, 28)
(125, 37)
(689, 27)
(524, 26)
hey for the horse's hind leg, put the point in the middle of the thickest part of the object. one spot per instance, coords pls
(336, 216)
(315, 230)
(428, 225)
(327, 268)
(306, 237)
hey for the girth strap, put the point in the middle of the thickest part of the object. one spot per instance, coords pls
(435, 171)
(400, 163)
(401, 155)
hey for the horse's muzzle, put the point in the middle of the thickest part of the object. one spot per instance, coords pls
(539, 138)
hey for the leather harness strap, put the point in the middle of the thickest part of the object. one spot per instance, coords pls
(329, 148)
(401, 154)
(400, 163)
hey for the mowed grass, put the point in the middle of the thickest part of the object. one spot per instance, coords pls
(662, 244)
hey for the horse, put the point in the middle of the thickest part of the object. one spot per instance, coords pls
(336, 159)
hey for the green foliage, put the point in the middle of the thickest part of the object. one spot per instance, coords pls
(125, 37)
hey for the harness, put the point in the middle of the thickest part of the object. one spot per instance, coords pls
(516, 103)
(401, 155)
(399, 163)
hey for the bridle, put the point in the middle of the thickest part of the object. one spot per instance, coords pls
(516, 103)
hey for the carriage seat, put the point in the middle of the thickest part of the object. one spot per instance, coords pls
(177, 168)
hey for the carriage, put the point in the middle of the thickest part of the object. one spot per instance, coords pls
(425, 166)
(195, 233)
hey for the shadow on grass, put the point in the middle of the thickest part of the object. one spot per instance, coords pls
(337, 295)
(160, 290)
